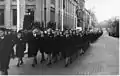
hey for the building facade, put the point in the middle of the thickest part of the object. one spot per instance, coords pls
(43, 11)
(81, 14)
(8, 13)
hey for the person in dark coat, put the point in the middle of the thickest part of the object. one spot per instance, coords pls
(48, 46)
(32, 46)
(54, 47)
(20, 48)
(14, 37)
(5, 51)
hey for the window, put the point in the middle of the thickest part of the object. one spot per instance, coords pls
(52, 15)
(30, 12)
(64, 4)
(53, 2)
(14, 16)
(1, 16)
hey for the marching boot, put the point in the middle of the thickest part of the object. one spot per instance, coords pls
(43, 59)
(8, 67)
(33, 65)
(34, 62)
(60, 55)
(70, 60)
(55, 59)
(21, 61)
(66, 61)
(49, 63)
(18, 64)
(49, 60)
(81, 52)
(76, 55)
(5, 72)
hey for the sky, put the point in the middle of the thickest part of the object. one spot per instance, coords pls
(104, 9)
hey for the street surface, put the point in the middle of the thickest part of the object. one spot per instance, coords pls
(102, 58)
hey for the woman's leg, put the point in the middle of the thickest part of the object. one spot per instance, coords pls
(21, 61)
(18, 63)
(43, 58)
(4, 72)
(34, 61)
(35, 58)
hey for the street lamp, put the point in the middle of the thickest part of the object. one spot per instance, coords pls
(18, 15)
(45, 12)
(62, 15)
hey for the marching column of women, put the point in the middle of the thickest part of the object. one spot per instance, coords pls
(55, 43)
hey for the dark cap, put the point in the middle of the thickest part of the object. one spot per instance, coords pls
(2, 29)
(20, 31)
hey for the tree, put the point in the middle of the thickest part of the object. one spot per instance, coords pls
(113, 25)
(94, 20)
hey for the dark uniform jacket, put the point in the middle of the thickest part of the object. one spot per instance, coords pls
(32, 45)
(5, 51)
(20, 47)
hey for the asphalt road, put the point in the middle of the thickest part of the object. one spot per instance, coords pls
(102, 58)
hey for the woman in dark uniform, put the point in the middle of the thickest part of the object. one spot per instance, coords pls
(5, 51)
(20, 48)
(33, 46)
(41, 45)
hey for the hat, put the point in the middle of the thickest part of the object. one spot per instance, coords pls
(20, 31)
(35, 31)
(45, 32)
(2, 29)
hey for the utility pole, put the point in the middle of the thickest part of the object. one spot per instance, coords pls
(18, 15)
(45, 13)
(62, 16)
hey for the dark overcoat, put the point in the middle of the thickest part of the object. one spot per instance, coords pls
(32, 45)
(5, 51)
(20, 47)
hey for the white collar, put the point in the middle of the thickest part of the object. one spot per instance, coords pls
(2, 37)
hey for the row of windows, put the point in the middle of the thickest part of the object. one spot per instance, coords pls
(2, 17)
(14, 14)
(52, 15)
(15, 0)
(52, 12)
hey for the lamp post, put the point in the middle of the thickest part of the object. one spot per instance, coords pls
(62, 15)
(18, 15)
(45, 12)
